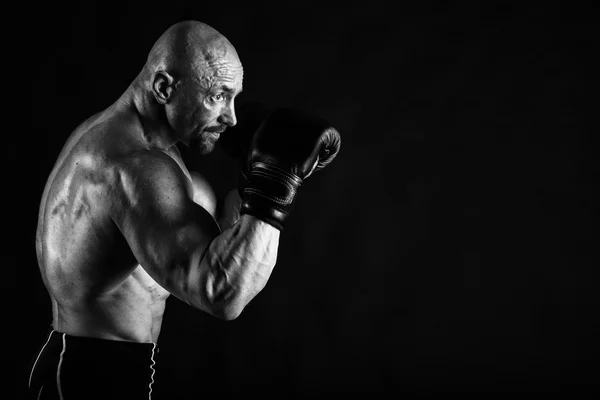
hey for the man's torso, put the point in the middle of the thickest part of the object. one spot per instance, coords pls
(97, 287)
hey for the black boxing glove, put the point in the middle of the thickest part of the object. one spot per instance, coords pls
(287, 149)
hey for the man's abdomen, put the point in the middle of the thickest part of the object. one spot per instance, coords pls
(132, 311)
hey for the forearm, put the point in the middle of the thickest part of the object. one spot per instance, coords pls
(236, 266)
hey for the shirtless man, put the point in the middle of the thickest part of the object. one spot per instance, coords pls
(123, 223)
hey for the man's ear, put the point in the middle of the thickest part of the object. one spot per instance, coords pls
(162, 86)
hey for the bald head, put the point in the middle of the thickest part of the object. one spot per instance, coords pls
(189, 47)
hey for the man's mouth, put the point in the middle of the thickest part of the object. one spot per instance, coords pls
(216, 129)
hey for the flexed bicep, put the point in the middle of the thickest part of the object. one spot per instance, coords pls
(166, 230)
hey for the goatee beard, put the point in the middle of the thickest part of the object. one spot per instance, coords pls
(204, 145)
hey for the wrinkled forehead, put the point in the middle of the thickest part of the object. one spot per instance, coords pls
(219, 61)
(227, 70)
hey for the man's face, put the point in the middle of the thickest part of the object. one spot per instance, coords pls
(209, 102)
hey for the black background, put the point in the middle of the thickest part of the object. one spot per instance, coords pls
(449, 246)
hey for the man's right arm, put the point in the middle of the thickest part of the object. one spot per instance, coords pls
(181, 246)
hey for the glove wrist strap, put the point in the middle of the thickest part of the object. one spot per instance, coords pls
(269, 194)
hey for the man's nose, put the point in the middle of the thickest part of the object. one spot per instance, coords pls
(228, 117)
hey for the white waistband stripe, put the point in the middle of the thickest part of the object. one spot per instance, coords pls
(38, 357)
(62, 354)
(40, 393)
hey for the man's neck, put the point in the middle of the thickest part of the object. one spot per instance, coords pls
(155, 129)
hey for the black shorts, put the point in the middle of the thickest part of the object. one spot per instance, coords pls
(72, 367)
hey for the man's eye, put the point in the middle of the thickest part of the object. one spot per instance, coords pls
(217, 97)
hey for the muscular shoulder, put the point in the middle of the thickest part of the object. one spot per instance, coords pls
(149, 177)
(153, 176)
